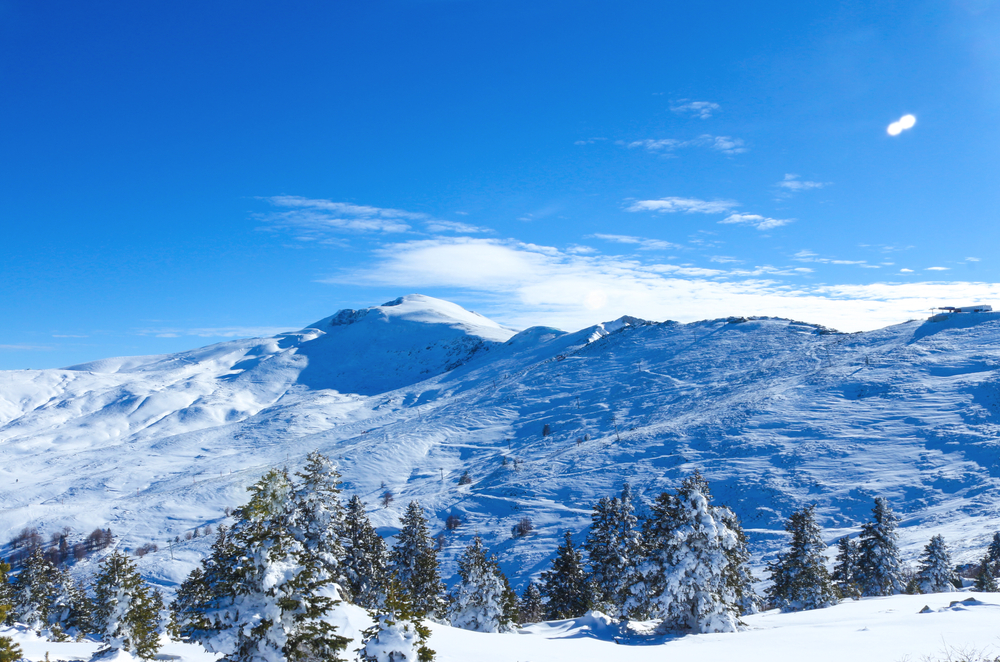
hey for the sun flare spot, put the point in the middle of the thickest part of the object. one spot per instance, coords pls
(900, 125)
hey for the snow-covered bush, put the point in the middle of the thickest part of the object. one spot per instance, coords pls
(398, 635)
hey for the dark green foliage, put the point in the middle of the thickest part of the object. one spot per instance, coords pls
(365, 558)
(33, 591)
(614, 549)
(845, 569)
(799, 577)
(985, 581)
(530, 608)
(566, 586)
(414, 562)
(9, 651)
(993, 554)
(126, 611)
(6, 593)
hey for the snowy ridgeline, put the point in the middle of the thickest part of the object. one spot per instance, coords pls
(495, 432)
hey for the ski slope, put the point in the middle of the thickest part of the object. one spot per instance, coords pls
(409, 395)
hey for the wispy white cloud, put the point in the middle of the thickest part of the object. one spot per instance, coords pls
(757, 221)
(792, 183)
(453, 226)
(724, 144)
(642, 242)
(809, 256)
(686, 205)
(589, 141)
(26, 348)
(972, 259)
(530, 284)
(700, 109)
(906, 271)
(68, 335)
(216, 332)
(312, 218)
(938, 268)
(725, 259)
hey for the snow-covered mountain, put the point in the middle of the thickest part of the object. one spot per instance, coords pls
(410, 395)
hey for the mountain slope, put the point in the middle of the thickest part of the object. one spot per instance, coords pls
(410, 395)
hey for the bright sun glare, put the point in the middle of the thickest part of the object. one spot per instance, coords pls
(904, 122)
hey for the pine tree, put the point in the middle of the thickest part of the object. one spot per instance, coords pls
(566, 586)
(879, 565)
(414, 563)
(398, 635)
(613, 549)
(845, 569)
(69, 609)
(799, 577)
(531, 609)
(936, 574)
(9, 651)
(126, 613)
(687, 578)
(993, 554)
(737, 573)
(33, 592)
(318, 520)
(481, 599)
(261, 596)
(365, 572)
(985, 581)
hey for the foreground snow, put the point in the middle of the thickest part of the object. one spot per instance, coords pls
(871, 630)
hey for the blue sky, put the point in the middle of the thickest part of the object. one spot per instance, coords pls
(176, 173)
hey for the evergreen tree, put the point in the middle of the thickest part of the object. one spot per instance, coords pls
(414, 563)
(9, 651)
(845, 568)
(126, 613)
(936, 574)
(33, 592)
(985, 581)
(531, 609)
(260, 598)
(481, 599)
(318, 519)
(993, 554)
(398, 635)
(799, 577)
(737, 573)
(365, 572)
(613, 549)
(566, 586)
(686, 577)
(880, 570)
(69, 609)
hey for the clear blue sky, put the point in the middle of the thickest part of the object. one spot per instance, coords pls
(175, 173)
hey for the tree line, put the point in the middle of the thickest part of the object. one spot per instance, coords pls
(294, 550)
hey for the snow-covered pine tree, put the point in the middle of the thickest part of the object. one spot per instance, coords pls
(318, 519)
(739, 579)
(414, 562)
(9, 651)
(261, 597)
(69, 610)
(799, 577)
(398, 635)
(985, 581)
(365, 558)
(686, 573)
(204, 598)
(566, 586)
(613, 549)
(993, 554)
(936, 574)
(845, 569)
(530, 608)
(126, 614)
(880, 570)
(480, 601)
(33, 592)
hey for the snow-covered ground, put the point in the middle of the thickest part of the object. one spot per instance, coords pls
(889, 629)
(410, 395)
